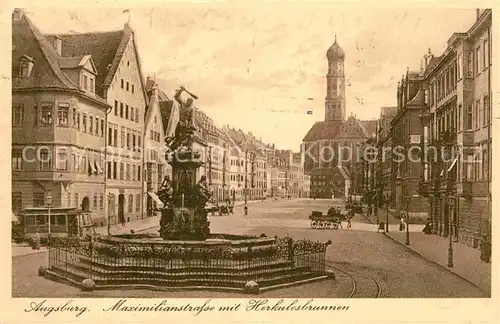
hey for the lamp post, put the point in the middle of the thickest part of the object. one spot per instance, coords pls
(48, 202)
(387, 213)
(450, 242)
(407, 242)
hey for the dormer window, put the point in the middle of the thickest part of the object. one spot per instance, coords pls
(26, 64)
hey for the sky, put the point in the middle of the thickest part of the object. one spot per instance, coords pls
(261, 67)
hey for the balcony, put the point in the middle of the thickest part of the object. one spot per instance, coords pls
(423, 188)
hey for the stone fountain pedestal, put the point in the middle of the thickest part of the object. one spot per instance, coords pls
(185, 218)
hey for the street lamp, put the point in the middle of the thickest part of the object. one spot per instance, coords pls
(48, 202)
(387, 213)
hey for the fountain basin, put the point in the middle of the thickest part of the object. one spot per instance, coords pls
(222, 262)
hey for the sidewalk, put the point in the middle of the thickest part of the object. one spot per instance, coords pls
(382, 217)
(435, 249)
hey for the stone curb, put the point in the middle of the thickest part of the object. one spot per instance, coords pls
(409, 249)
(30, 253)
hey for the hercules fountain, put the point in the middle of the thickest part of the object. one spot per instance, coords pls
(184, 254)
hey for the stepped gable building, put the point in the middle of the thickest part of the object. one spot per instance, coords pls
(58, 125)
(329, 174)
(119, 81)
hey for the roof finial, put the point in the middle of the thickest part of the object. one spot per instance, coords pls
(335, 38)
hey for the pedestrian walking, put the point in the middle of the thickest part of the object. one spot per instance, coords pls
(402, 222)
(246, 210)
(123, 221)
(37, 240)
(369, 210)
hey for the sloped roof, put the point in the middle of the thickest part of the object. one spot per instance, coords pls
(70, 62)
(102, 46)
(46, 73)
(323, 130)
(106, 49)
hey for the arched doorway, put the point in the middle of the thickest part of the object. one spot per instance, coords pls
(121, 207)
(86, 204)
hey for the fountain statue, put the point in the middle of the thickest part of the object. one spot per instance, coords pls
(183, 215)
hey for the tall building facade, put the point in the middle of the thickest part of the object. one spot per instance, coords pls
(120, 82)
(457, 118)
(58, 124)
(323, 145)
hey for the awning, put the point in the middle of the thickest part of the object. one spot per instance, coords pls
(155, 198)
(453, 164)
(98, 167)
(91, 166)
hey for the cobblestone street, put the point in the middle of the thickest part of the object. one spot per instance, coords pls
(400, 272)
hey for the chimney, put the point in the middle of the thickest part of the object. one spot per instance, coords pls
(58, 45)
(17, 14)
(478, 13)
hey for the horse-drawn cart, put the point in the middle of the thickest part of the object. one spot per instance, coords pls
(328, 221)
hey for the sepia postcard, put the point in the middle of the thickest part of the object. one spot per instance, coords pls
(253, 161)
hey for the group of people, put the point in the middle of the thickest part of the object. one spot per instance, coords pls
(336, 211)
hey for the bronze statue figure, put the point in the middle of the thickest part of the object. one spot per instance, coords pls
(183, 128)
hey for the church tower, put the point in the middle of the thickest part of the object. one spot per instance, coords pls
(335, 84)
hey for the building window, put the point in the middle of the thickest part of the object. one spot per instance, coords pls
(116, 107)
(137, 115)
(127, 174)
(91, 125)
(459, 118)
(24, 71)
(108, 170)
(133, 142)
(62, 161)
(17, 201)
(127, 86)
(139, 174)
(115, 135)
(126, 111)
(469, 117)
(459, 66)
(130, 203)
(470, 66)
(84, 123)
(46, 118)
(45, 160)
(132, 88)
(110, 135)
(102, 128)
(38, 199)
(128, 139)
(486, 111)
(77, 200)
(101, 201)
(121, 109)
(17, 160)
(122, 170)
(477, 115)
(114, 169)
(122, 83)
(132, 115)
(85, 81)
(17, 115)
(92, 89)
(122, 137)
(477, 63)
(137, 203)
